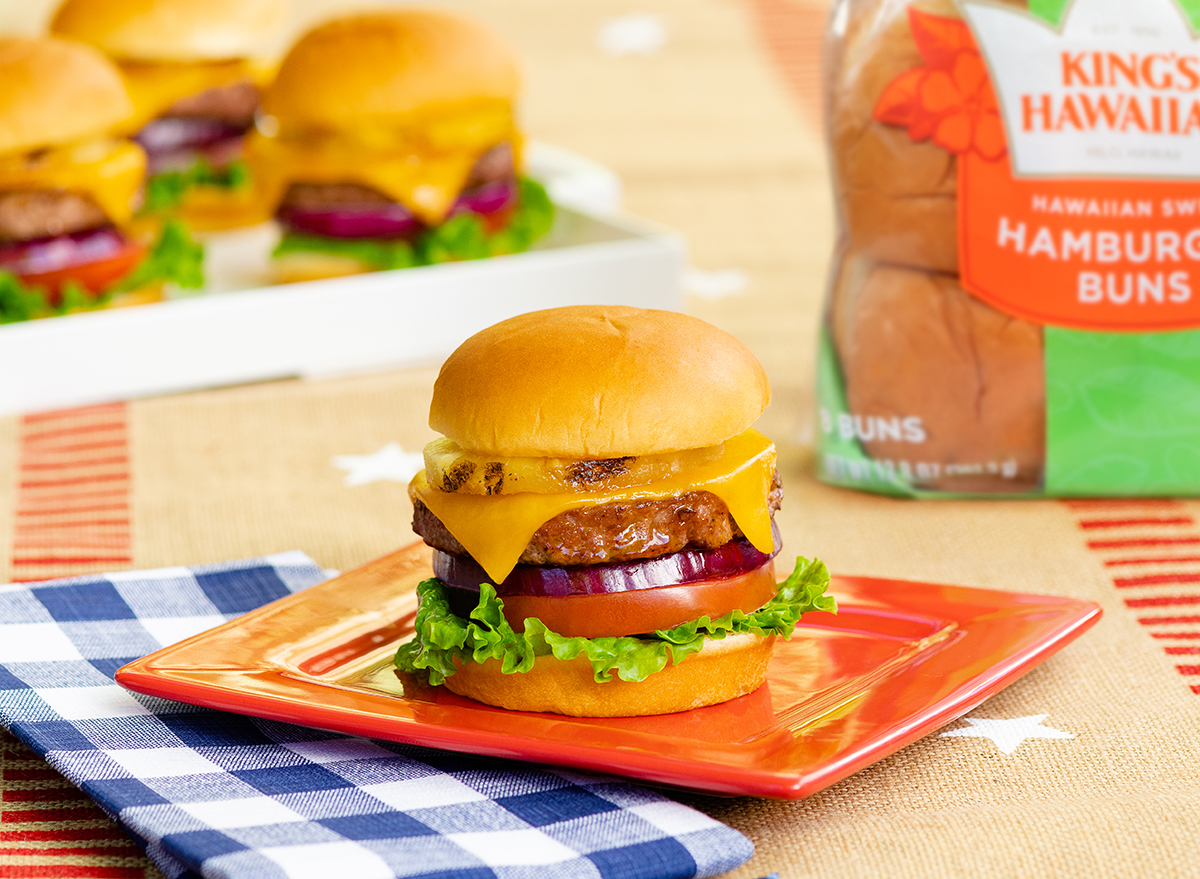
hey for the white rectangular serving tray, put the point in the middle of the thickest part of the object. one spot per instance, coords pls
(243, 329)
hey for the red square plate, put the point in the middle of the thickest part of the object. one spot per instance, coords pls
(898, 661)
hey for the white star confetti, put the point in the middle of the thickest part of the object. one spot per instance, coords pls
(1008, 735)
(390, 463)
(640, 33)
(714, 285)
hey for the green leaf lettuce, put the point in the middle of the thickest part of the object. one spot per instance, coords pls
(20, 301)
(167, 190)
(461, 237)
(173, 258)
(441, 637)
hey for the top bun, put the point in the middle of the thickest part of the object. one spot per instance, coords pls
(56, 91)
(172, 30)
(380, 65)
(596, 381)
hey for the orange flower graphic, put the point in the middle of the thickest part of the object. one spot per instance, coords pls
(950, 100)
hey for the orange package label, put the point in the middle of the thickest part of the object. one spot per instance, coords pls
(1078, 149)
(1095, 254)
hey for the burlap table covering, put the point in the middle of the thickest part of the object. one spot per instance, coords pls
(716, 134)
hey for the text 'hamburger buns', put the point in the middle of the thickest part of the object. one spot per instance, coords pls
(596, 382)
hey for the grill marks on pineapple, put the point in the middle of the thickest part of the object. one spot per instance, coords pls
(580, 475)
(583, 474)
(493, 477)
(457, 476)
(452, 469)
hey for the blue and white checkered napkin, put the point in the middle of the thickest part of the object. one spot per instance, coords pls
(230, 796)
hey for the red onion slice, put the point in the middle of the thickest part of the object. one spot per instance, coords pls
(487, 199)
(688, 566)
(393, 221)
(176, 143)
(63, 252)
(217, 154)
(369, 221)
(168, 134)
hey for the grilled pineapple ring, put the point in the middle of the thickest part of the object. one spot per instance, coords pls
(453, 469)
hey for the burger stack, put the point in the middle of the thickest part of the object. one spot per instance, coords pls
(390, 141)
(600, 510)
(194, 69)
(69, 185)
(383, 140)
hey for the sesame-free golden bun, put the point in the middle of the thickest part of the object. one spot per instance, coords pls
(594, 382)
(55, 91)
(172, 30)
(724, 669)
(376, 66)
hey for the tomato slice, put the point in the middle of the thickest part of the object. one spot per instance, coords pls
(92, 276)
(93, 258)
(643, 610)
(497, 220)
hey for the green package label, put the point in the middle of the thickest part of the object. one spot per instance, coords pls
(1122, 418)
(1122, 410)
(842, 459)
(1052, 10)
(1122, 413)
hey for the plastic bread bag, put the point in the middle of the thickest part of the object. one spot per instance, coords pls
(1014, 300)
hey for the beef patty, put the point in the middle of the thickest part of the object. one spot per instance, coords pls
(493, 166)
(29, 214)
(615, 532)
(234, 104)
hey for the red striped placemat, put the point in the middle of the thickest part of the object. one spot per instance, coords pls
(793, 35)
(48, 827)
(1152, 549)
(73, 494)
(71, 516)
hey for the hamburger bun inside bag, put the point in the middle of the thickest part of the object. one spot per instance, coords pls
(1014, 302)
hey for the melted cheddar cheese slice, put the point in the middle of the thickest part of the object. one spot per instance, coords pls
(495, 530)
(423, 165)
(110, 171)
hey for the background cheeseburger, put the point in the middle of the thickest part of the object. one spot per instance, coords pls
(601, 516)
(194, 69)
(390, 142)
(69, 186)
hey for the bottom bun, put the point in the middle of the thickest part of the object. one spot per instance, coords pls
(722, 670)
(140, 296)
(300, 266)
(213, 209)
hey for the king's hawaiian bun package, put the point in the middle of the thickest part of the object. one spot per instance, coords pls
(1014, 305)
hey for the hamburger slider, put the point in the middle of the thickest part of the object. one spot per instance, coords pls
(390, 142)
(600, 512)
(194, 70)
(69, 186)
